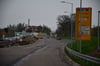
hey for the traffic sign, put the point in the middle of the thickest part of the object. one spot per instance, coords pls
(83, 24)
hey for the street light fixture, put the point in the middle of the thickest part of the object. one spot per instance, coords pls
(70, 4)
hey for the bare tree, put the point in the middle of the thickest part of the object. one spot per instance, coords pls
(63, 25)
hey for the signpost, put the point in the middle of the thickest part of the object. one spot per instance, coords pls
(83, 23)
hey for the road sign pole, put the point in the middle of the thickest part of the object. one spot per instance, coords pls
(80, 24)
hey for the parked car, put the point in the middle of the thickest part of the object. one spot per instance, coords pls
(58, 38)
(8, 38)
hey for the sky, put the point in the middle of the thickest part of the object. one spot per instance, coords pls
(41, 11)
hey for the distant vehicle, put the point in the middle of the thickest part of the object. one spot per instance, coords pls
(58, 38)
(8, 38)
(17, 37)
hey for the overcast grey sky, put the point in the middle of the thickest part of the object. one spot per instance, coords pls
(41, 11)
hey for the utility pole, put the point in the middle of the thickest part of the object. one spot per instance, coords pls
(80, 25)
(70, 17)
(98, 29)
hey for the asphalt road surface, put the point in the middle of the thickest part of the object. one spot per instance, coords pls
(45, 52)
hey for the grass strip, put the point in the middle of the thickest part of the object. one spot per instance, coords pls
(80, 61)
(87, 45)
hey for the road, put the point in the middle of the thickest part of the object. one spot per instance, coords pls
(45, 52)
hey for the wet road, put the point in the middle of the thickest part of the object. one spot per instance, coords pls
(50, 55)
(45, 52)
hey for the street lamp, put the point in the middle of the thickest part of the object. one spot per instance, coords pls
(70, 4)
(71, 13)
(98, 28)
(80, 25)
(80, 18)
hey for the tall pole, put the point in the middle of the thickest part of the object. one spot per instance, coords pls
(80, 25)
(71, 21)
(98, 29)
(70, 15)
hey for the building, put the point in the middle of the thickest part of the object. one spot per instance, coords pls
(32, 28)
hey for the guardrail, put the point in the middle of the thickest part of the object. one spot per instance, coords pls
(83, 56)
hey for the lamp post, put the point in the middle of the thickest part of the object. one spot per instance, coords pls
(71, 13)
(80, 25)
(98, 29)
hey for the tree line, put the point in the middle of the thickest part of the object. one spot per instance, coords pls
(64, 26)
(21, 27)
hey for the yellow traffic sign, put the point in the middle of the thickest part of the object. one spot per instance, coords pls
(84, 22)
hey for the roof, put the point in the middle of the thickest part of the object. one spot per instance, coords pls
(33, 27)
